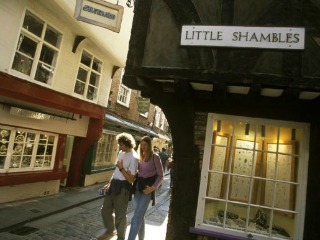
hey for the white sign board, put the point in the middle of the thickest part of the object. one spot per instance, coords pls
(244, 37)
(100, 13)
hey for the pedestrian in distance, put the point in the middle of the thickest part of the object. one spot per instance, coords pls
(164, 158)
(171, 168)
(149, 178)
(118, 190)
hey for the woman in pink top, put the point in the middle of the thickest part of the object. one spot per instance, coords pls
(150, 177)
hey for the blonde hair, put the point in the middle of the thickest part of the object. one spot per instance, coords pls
(148, 153)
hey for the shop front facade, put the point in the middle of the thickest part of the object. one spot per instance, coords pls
(53, 93)
(243, 119)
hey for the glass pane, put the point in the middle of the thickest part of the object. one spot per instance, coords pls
(86, 59)
(259, 220)
(94, 79)
(283, 225)
(212, 212)
(39, 162)
(82, 75)
(41, 149)
(240, 188)
(53, 37)
(4, 142)
(15, 162)
(284, 196)
(49, 150)
(92, 93)
(235, 216)
(44, 73)
(96, 65)
(2, 161)
(48, 56)
(51, 139)
(79, 87)
(47, 161)
(216, 185)
(33, 24)
(22, 64)
(26, 161)
(27, 46)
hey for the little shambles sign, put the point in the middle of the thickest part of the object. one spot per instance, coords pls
(246, 37)
(100, 13)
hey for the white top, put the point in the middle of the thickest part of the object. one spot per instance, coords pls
(130, 162)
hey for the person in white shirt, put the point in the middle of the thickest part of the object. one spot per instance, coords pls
(118, 189)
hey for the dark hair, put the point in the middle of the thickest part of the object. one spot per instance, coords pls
(163, 149)
(126, 139)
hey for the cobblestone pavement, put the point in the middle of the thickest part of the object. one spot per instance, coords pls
(82, 222)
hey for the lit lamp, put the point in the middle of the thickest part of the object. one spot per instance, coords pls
(218, 125)
(247, 129)
(293, 134)
(263, 131)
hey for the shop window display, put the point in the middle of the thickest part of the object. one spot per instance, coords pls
(106, 151)
(252, 178)
(24, 150)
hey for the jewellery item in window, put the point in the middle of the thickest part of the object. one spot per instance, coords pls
(260, 218)
(17, 149)
(19, 138)
(4, 133)
(279, 230)
(230, 215)
(3, 150)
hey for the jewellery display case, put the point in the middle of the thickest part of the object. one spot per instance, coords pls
(249, 181)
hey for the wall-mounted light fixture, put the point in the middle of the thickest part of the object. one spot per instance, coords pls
(130, 3)
(218, 125)
(263, 131)
(293, 134)
(247, 129)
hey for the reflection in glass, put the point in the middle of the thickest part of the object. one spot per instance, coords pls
(33, 24)
(52, 37)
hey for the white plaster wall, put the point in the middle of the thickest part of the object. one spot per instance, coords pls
(27, 191)
(57, 125)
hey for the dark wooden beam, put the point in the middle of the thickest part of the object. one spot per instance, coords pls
(305, 83)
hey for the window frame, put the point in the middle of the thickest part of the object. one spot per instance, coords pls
(122, 88)
(40, 43)
(301, 178)
(36, 144)
(90, 71)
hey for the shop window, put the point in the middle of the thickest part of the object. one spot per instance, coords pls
(37, 49)
(106, 151)
(24, 150)
(124, 93)
(88, 77)
(253, 178)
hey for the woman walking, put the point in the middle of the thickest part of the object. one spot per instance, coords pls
(150, 176)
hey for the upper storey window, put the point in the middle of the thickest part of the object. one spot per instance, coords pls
(89, 75)
(124, 93)
(37, 49)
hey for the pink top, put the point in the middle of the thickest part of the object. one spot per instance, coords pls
(150, 168)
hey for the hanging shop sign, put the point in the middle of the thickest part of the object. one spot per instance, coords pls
(100, 13)
(243, 37)
(143, 105)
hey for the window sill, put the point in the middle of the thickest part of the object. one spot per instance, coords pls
(207, 233)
